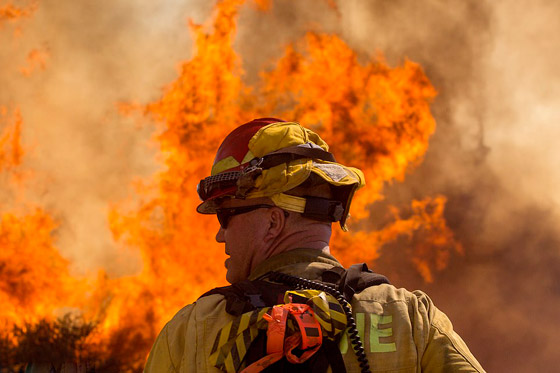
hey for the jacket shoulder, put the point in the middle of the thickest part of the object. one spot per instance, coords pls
(210, 305)
(184, 340)
(387, 293)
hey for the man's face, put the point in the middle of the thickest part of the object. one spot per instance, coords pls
(243, 240)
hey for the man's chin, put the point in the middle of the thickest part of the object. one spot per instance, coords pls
(229, 277)
(231, 281)
(233, 277)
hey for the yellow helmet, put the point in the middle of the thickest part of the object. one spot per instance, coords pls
(268, 157)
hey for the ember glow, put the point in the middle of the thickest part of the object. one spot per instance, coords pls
(375, 116)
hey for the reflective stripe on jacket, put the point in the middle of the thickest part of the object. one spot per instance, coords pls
(402, 331)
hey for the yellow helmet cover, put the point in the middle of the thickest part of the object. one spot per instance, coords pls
(267, 157)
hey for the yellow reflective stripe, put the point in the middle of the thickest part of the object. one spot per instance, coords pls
(224, 335)
(340, 317)
(213, 359)
(248, 157)
(244, 323)
(230, 368)
(230, 344)
(321, 303)
(376, 333)
(385, 332)
(224, 164)
(241, 348)
(343, 345)
(291, 203)
(322, 312)
(325, 323)
(326, 309)
(254, 333)
(360, 324)
(260, 317)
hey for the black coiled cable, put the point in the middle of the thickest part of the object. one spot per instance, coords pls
(303, 283)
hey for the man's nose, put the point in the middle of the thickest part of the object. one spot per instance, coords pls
(220, 235)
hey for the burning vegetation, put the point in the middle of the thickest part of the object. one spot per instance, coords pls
(375, 117)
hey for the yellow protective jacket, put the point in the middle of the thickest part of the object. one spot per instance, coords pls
(402, 331)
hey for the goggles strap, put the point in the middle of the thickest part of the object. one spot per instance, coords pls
(315, 208)
(323, 209)
(245, 179)
(290, 203)
(292, 153)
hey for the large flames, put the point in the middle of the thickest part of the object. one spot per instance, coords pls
(375, 117)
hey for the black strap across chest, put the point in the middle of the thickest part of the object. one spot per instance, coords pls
(245, 296)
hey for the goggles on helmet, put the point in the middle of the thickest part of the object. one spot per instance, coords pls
(226, 181)
(232, 182)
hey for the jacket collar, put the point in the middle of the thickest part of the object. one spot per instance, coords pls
(296, 262)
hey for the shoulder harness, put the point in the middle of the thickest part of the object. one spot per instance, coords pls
(288, 323)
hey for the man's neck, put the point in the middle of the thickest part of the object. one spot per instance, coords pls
(309, 236)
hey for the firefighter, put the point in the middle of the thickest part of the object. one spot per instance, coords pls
(276, 191)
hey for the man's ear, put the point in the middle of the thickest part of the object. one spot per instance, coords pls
(276, 223)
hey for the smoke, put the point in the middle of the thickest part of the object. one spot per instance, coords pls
(493, 155)
(525, 99)
(84, 155)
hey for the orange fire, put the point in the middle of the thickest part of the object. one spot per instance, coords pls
(11, 12)
(375, 117)
(11, 151)
(36, 60)
(34, 277)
